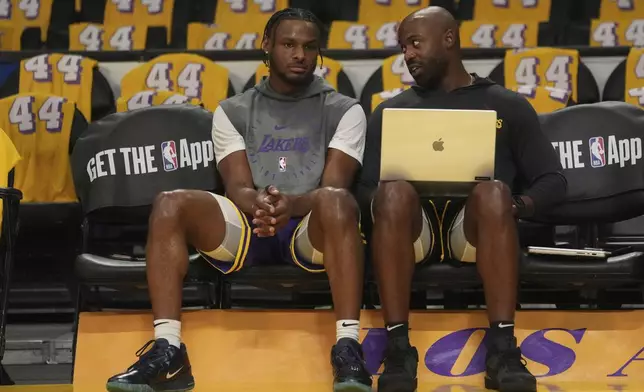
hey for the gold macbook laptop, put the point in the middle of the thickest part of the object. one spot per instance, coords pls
(441, 152)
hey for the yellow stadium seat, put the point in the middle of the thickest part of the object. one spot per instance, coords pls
(119, 12)
(144, 99)
(544, 99)
(239, 24)
(395, 73)
(621, 9)
(616, 32)
(41, 126)
(155, 13)
(479, 34)
(634, 83)
(139, 13)
(95, 37)
(212, 37)
(547, 67)
(383, 10)
(231, 13)
(74, 77)
(378, 98)
(188, 74)
(387, 81)
(21, 14)
(364, 35)
(68, 76)
(626, 82)
(9, 37)
(512, 10)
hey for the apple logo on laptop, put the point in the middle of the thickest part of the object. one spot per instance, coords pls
(438, 145)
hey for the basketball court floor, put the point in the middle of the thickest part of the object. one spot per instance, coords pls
(288, 351)
(581, 387)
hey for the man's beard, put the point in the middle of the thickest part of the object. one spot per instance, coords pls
(436, 70)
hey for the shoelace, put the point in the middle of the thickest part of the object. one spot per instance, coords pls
(395, 360)
(144, 355)
(141, 352)
(347, 356)
(513, 360)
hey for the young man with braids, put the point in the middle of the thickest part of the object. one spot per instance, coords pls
(287, 150)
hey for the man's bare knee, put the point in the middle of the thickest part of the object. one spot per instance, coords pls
(335, 206)
(168, 207)
(396, 200)
(195, 215)
(491, 199)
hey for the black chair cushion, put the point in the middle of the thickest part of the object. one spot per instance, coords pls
(95, 270)
(569, 271)
(277, 276)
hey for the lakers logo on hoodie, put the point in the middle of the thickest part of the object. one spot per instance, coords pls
(287, 137)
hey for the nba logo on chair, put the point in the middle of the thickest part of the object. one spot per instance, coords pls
(169, 152)
(597, 153)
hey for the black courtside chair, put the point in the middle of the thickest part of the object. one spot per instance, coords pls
(10, 206)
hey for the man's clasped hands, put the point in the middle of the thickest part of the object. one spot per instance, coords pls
(272, 211)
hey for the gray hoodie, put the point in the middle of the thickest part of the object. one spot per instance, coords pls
(287, 137)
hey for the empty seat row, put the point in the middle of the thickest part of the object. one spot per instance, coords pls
(92, 37)
(126, 25)
(219, 11)
(550, 78)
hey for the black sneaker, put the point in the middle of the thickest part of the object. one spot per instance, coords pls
(506, 370)
(401, 367)
(349, 368)
(162, 368)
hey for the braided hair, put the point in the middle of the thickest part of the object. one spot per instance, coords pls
(290, 14)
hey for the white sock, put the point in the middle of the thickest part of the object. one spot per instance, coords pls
(169, 330)
(347, 329)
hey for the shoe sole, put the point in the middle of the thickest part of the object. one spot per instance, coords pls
(351, 386)
(509, 387)
(119, 387)
(398, 386)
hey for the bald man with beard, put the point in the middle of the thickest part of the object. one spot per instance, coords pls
(528, 179)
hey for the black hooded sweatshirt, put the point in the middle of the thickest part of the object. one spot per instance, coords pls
(525, 160)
